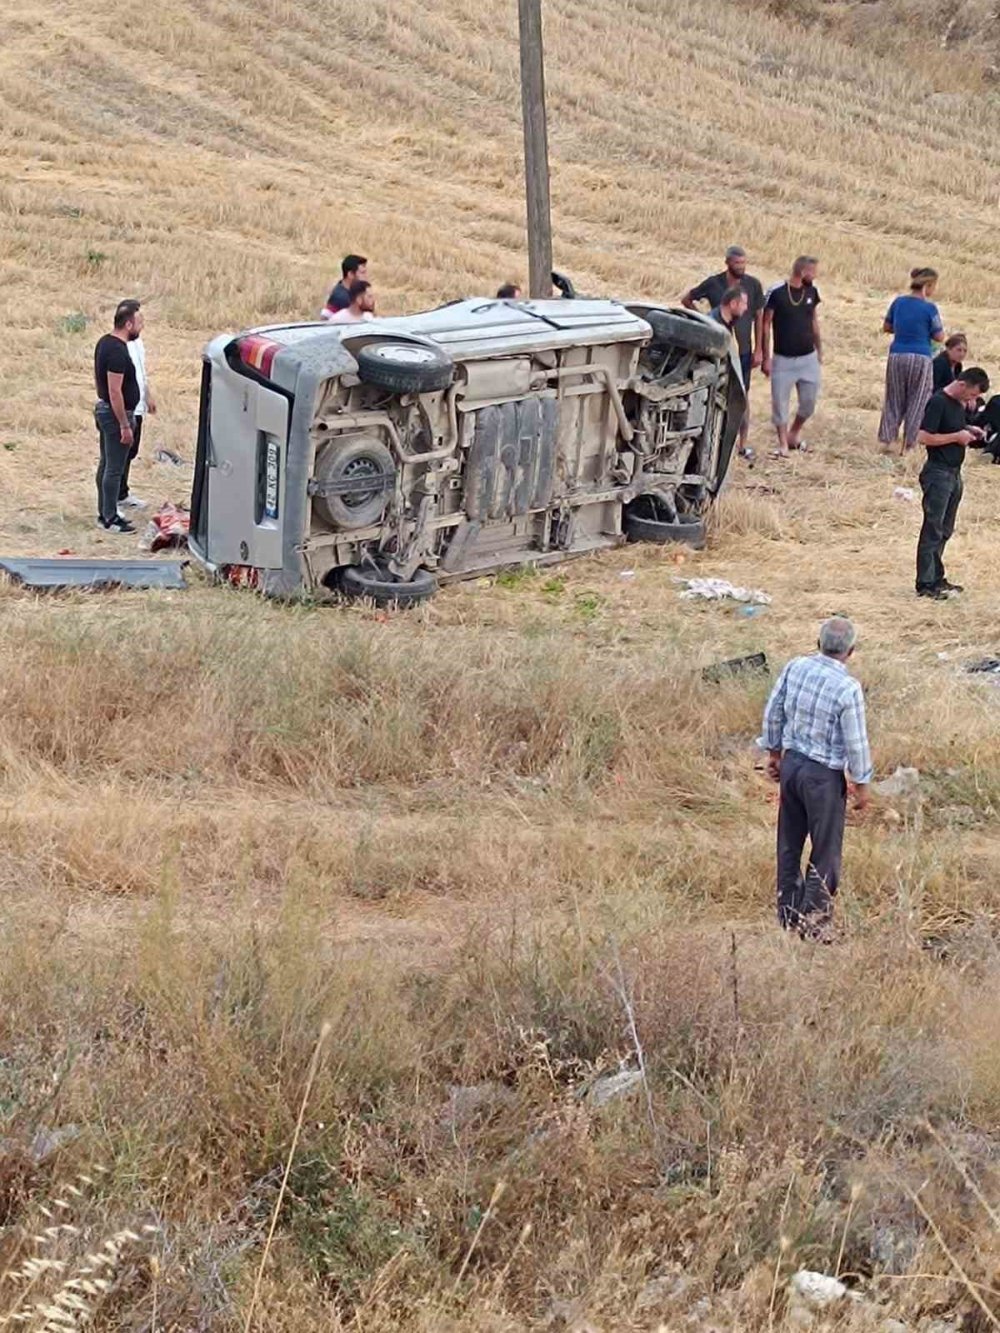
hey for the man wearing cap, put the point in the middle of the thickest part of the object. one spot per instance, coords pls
(749, 326)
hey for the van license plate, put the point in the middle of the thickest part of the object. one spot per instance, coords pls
(271, 480)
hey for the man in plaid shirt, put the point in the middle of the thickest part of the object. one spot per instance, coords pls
(815, 732)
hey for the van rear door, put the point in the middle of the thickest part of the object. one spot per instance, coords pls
(241, 505)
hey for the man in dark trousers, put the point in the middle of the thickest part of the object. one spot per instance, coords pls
(117, 398)
(945, 434)
(815, 734)
(749, 326)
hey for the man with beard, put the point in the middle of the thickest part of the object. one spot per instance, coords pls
(792, 311)
(749, 326)
(117, 398)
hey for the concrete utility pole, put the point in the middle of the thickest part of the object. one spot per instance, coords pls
(536, 148)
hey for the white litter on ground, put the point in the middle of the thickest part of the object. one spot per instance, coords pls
(718, 590)
(902, 493)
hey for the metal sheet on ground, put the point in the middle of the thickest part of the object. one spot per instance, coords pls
(59, 572)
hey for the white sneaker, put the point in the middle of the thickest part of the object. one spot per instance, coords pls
(133, 502)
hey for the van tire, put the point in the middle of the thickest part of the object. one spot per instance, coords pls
(366, 461)
(689, 335)
(378, 586)
(404, 367)
(650, 526)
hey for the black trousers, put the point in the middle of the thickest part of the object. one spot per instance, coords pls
(111, 466)
(942, 488)
(814, 806)
(132, 453)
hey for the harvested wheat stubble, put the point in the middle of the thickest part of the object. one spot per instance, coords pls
(504, 841)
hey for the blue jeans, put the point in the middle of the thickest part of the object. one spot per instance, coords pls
(113, 461)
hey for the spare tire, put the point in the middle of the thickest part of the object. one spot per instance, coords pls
(379, 586)
(404, 367)
(355, 476)
(644, 520)
(687, 333)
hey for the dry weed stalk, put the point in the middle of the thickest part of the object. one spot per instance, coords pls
(276, 1212)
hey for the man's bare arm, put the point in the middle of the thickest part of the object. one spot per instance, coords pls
(817, 335)
(687, 301)
(118, 404)
(766, 341)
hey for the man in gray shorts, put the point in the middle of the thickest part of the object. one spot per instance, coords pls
(792, 314)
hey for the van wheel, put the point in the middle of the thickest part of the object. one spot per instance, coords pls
(404, 367)
(354, 478)
(379, 586)
(688, 334)
(646, 520)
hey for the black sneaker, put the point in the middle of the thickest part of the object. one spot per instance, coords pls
(937, 594)
(118, 524)
(945, 586)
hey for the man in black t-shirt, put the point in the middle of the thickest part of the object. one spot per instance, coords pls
(792, 314)
(749, 326)
(117, 398)
(945, 435)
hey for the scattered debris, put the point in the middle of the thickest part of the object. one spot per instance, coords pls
(748, 612)
(476, 1101)
(815, 1291)
(55, 572)
(47, 1141)
(626, 574)
(903, 493)
(162, 455)
(167, 529)
(905, 782)
(752, 664)
(667, 1290)
(987, 666)
(610, 1087)
(719, 590)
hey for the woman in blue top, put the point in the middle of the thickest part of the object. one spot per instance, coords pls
(915, 323)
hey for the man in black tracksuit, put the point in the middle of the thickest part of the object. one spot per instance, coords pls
(945, 435)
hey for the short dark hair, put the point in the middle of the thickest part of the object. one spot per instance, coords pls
(730, 295)
(508, 291)
(357, 288)
(351, 264)
(921, 278)
(977, 377)
(124, 311)
(956, 340)
(804, 261)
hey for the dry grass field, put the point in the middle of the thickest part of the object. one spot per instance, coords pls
(504, 843)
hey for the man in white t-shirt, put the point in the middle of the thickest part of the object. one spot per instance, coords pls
(362, 305)
(147, 403)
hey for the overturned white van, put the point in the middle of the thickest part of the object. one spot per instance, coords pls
(377, 459)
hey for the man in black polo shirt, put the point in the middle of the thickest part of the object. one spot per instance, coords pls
(117, 398)
(945, 434)
(749, 325)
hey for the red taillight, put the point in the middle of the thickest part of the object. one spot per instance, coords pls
(258, 352)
